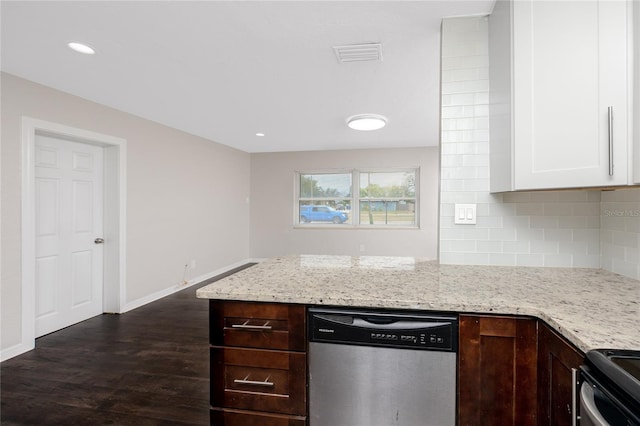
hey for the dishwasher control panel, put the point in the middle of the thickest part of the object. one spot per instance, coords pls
(388, 328)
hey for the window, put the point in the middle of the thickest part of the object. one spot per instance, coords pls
(383, 198)
(325, 198)
(388, 198)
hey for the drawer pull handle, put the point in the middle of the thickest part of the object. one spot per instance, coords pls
(244, 381)
(247, 326)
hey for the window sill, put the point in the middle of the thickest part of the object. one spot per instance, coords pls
(356, 227)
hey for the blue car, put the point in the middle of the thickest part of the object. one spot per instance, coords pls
(321, 214)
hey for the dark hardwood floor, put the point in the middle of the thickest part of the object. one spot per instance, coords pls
(149, 366)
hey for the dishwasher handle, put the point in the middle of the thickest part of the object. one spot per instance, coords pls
(380, 322)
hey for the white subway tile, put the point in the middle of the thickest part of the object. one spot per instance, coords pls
(628, 269)
(516, 246)
(622, 195)
(625, 239)
(480, 185)
(453, 185)
(632, 254)
(612, 251)
(482, 172)
(452, 258)
(474, 233)
(463, 246)
(544, 247)
(572, 247)
(517, 197)
(585, 209)
(518, 222)
(558, 260)
(586, 235)
(476, 258)
(529, 209)
(489, 246)
(632, 224)
(545, 222)
(502, 234)
(527, 234)
(452, 234)
(558, 235)
(502, 259)
(463, 99)
(558, 209)
(530, 260)
(586, 261)
(451, 160)
(545, 197)
(572, 222)
(489, 222)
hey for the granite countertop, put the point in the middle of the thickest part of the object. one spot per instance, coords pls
(592, 308)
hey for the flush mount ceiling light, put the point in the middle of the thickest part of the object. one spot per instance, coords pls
(367, 122)
(260, 134)
(81, 48)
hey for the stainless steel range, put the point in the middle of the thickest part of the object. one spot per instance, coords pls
(610, 388)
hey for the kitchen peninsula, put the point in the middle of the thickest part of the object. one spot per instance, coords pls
(591, 308)
(522, 331)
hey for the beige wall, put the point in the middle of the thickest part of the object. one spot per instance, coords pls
(186, 196)
(272, 201)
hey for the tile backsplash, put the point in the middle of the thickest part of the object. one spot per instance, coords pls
(547, 228)
(620, 232)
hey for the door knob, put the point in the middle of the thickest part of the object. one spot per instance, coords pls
(98, 241)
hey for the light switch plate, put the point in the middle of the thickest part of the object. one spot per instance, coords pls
(465, 214)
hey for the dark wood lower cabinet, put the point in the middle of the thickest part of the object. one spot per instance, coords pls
(497, 371)
(260, 380)
(513, 371)
(258, 364)
(556, 358)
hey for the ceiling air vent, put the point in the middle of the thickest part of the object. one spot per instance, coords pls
(359, 52)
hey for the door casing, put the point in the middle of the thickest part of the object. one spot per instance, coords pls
(115, 165)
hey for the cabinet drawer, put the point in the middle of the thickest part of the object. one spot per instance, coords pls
(229, 417)
(262, 380)
(257, 325)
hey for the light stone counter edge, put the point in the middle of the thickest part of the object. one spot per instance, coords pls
(591, 308)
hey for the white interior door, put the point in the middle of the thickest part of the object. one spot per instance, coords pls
(68, 219)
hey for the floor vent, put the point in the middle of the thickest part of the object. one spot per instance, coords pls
(359, 52)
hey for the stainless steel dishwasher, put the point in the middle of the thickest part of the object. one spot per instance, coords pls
(370, 368)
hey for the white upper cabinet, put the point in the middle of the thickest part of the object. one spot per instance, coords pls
(560, 94)
(636, 93)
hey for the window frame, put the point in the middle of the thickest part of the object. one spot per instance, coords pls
(355, 199)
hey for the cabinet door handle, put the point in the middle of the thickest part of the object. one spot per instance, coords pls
(610, 121)
(247, 326)
(266, 383)
(574, 397)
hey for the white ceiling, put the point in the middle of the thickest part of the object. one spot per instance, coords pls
(225, 70)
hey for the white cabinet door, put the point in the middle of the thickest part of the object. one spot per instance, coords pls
(569, 69)
(636, 94)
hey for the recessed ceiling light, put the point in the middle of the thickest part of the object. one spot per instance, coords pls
(81, 48)
(259, 134)
(367, 122)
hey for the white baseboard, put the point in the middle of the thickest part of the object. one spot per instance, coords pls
(15, 350)
(173, 289)
(21, 348)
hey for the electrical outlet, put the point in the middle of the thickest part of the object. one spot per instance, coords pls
(193, 264)
(361, 248)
